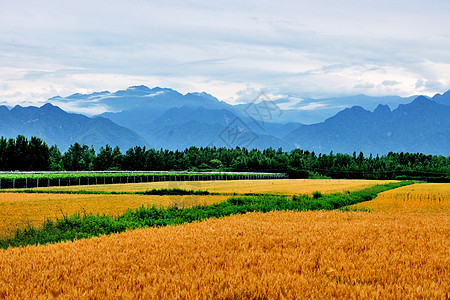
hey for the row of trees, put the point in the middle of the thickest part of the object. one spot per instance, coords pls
(24, 154)
(34, 154)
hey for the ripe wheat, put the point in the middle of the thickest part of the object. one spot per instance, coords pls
(279, 186)
(19, 210)
(424, 197)
(273, 255)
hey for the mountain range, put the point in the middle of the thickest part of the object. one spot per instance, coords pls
(56, 126)
(165, 118)
(420, 126)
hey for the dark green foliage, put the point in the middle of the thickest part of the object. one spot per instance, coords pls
(77, 227)
(317, 194)
(21, 154)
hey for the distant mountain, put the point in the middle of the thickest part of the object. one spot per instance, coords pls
(143, 105)
(442, 99)
(310, 111)
(186, 126)
(137, 104)
(165, 118)
(420, 126)
(56, 126)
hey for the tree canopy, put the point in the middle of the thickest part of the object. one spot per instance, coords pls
(34, 154)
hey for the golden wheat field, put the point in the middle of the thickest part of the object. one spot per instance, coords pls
(20, 209)
(17, 210)
(423, 197)
(274, 255)
(278, 186)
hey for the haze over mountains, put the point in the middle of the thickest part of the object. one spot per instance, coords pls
(165, 118)
(56, 126)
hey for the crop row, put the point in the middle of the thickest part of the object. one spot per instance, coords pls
(29, 180)
(77, 227)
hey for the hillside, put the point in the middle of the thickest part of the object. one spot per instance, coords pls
(165, 118)
(56, 126)
(420, 126)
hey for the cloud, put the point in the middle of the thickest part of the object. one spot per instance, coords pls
(232, 50)
(430, 85)
(389, 82)
(366, 85)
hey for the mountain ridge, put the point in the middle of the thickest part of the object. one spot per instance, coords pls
(164, 118)
(420, 126)
(55, 126)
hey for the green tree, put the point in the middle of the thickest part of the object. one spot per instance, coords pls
(56, 159)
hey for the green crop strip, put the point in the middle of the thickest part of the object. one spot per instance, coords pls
(86, 226)
(101, 175)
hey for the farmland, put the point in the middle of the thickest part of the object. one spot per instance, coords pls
(17, 210)
(425, 197)
(273, 255)
(20, 210)
(46, 179)
(279, 186)
(400, 249)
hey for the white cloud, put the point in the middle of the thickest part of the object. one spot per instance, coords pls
(232, 50)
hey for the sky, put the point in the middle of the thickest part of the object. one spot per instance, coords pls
(231, 49)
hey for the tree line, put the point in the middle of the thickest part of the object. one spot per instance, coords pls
(35, 155)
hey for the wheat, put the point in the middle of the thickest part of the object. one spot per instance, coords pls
(19, 210)
(274, 255)
(279, 186)
(425, 197)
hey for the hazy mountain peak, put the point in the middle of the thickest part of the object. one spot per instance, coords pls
(357, 108)
(55, 98)
(421, 100)
(203, 95)
(3, 108)
(354, 110)
(442, 99)
(141, 88)
(48, 107)
(75, 96)
(382, 109)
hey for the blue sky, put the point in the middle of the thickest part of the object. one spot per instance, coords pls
(231, 49)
